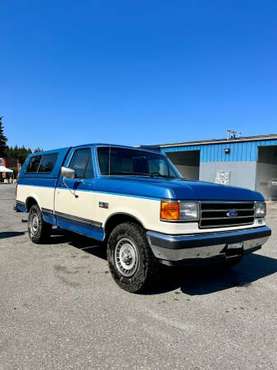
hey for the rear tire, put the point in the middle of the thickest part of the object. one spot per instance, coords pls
(131, 261)
(39, 231)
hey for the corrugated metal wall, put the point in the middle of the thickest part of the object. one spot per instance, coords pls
(241, 162)
(239, 152)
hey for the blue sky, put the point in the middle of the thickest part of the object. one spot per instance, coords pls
(136, 72)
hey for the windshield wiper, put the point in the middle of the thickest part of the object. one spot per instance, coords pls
(163, 176)
(121, 173)
(146, 174)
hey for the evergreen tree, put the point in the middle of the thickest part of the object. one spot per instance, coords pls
(3, 140)
(18, 153)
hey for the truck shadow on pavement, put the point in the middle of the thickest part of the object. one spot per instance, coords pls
(80, 242)
(202, 280)
(10, 234)
(191, 280)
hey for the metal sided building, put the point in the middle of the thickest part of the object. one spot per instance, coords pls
(249, 162)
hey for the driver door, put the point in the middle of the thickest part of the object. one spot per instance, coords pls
(75, 201)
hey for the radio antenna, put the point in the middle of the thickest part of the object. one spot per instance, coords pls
(233, 134)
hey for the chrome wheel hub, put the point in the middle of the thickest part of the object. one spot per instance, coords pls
(126, 257)
(34, 224)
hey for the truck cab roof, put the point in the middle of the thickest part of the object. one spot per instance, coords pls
(59, 157)
(95, 145)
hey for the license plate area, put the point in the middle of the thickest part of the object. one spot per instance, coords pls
(235, 246)
(234, 249)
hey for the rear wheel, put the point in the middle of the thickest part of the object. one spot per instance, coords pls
(39, 231)
(130, 258)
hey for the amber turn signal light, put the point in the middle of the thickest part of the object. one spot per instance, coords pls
(170, 211)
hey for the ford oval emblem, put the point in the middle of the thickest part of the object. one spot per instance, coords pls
(232, 213)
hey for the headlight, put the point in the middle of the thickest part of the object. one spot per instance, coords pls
(179, 211)
(260, 209)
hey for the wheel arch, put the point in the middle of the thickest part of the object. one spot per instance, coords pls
(119, 218)
(30, 201)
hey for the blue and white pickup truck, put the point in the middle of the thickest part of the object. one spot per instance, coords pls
(136, 202)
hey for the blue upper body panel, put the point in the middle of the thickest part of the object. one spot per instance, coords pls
(137, 186)
(178, 189)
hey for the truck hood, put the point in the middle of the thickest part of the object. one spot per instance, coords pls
(180, 189)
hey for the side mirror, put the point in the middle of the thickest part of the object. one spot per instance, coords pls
(67, 172)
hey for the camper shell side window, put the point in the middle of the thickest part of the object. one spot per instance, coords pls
(42, 163)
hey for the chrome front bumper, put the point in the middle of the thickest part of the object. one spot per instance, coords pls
(175, 248)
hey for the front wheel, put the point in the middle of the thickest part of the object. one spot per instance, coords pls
(130, 258)
(39, 231)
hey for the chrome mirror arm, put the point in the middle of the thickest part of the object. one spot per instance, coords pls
(73, 192)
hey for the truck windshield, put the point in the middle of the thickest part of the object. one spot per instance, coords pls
(132, 162)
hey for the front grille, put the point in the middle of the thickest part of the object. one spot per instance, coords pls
(226, 214)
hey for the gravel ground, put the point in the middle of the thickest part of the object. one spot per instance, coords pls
(61, 309)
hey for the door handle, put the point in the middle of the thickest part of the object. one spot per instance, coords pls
(77, 183)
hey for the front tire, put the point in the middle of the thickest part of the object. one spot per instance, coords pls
(130, 258)
(39, 231)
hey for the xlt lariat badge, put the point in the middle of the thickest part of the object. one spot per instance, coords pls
(103, 205)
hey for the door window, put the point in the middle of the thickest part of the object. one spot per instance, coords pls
(81, 162)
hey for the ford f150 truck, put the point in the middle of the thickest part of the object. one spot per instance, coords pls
(137, 203)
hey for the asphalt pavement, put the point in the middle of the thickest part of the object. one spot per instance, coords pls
(60, 309)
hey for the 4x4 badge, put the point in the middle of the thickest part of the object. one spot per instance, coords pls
(103, 205)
